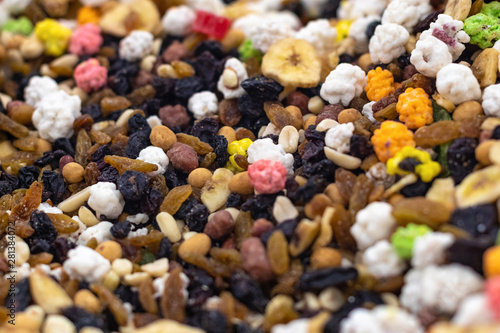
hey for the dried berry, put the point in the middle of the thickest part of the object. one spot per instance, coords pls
(54, 187)
(44, 229)
(262, 89)
(205, 129)
(121, 229)
(476, 220)
(247, 291)
(132, 185)
(187, 87)
(165, 249)
(151, 203)
(197, 218)
(320, 279)
(82, 318)
(138, 123)
(137, 142)
(461, 158)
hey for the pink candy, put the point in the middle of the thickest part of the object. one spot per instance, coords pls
(267, 176)
(86, 40)
(90, 76)
(493, 295)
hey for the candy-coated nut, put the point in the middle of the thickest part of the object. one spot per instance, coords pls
(240, 183)
(228, 132)
(379, 84)
(390, 138)
(90, 75)
(310, 121)
(84, 298)
(163, 137)
(483, 152)
(88, 15)
(198, 177)
(491, 262)
(199, 244)
(267, 176)
(73, 172)
(325, 257)
(468, 110)
(54, 35)
(404, 237)
(86, 40)
(110, 250)
(415, 108)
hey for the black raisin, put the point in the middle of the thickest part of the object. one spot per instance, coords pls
(206, 67)
(461, 158)
(469, 252)
(496, 133)
(360, 147)
(121, 229)
(370, 30)
(27, 175)
(81, 318)
(197, 218)
(151, 203)
(93, 110)
(54, 187)
(174, 178)
(214, 322)
(51, 158)
(219, 144)
(262, 88)
(205, 129)
(138, 123)
(137, 142)
(132, 185)
(329, 9)
(59, 249)
(108, 174)
(324, 169)
(185, 208)
(247, 291)
(64, 145)
(120, 84)
(417, 189)
(44, 229)
(212, 46)
(187, 87)
(320, 279)
(476, 220)
(250, 107)
(99, 154)
(425, 23)
(233, 200)
(165, 249)
(21, 297)
(39, 246)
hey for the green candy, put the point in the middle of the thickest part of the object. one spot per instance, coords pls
(483, 29)
(491, 9)
(21, 26)
(403, 239)
(247, 51)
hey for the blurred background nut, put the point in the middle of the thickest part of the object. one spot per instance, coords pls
(348, 116)
(240, 184)
(289, 139)
(20, 112)
(73, 172)
(162, 137)
(198, 177)
(220, 225)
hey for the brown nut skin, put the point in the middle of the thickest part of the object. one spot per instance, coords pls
(467, 110)
(348, 116)
(172, 116)
(183, 157)
(73, 172)
(255, 260)
(240, 183)
(220, 225)
(325, 257)
(162, 137)
(198, 177)
(260, 227)
(299, 100)
(330, 112)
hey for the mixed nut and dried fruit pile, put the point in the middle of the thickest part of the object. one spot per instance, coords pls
(250, 166)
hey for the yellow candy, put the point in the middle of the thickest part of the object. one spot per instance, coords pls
(427, 169)
(239, 147)
(54, 36)
(343, 29)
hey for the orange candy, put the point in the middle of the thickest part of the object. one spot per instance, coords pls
(491, 262)
(380, 83)
(390, 139)
(88, 15)
(415, 108)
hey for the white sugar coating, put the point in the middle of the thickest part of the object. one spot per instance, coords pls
(241, 72)
(268, 32)
(430, 55)
(458, 84)
(373, 223)
(406, 13)
(429, 249)
(38, 87)
(265, 149)
(203, 104)
(388, 43)
(136, 45)
(178, 20)
(85, 264)
(357, 31)
(319, 33)
(106, 200)
(491, 100)
(339, 137)
(101, 232)
(382, 261)
(154, 155)
(343, 84)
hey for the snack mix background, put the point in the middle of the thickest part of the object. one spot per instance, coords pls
(265, 166)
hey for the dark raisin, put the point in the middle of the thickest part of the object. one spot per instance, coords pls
(262, 89)
(81, 318)
(201, 286)
(213, 322)
(346, 58)
(174, 178)
(233, 200)
(260, 206)
(461, 158)
(93, 110)
(187, 87)
(287, 227)
(360, 147)
(44, 229)
(212, 46)
(206, 67)
(476, 220)
(324, 169)
(121, 229)
(5, 187)
(51, 158)
(164, 86)
(165, 249)
(20, 297)
(496, 133)
(370, 30)
(417, 189)
(54, 187)
(219, 144)
(247, 291)
(151, 203)
(329, 9)
(99, 154)
(137, 142)
(64, 145)
(314, 151)
(185, 208)
(120, 84)
(138, 123)
(404, 60)
(108, 174)
(312, 135)
(425, 23)
(205, 130)
(132, 185)
(250, 107)
(469, 252)
(197, 218)
(320, 279)
(39, 246)
(60, 248)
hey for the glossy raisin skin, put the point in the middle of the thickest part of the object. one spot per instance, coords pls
(44, 229)
(219, 144)
(27, 175)
(197, 218)
(132, 185)
(121, 229)
(262, 89)
(205, 130)
(247, 291)
(476, 220)
(53, 186)
(461, 158)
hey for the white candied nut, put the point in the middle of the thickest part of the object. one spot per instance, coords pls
(234, 66)
(406, 12)
(368, 111)
(106, 200)
(373, 223)
(85, 264)
(136, 45)
(339, 137)
(178, 20)
(458, 84)
(295, 326)
(445, 287)
(491, 100)
(450, 32)
(343, 84)
(203, 104)
(354, 9)
(357, 31)
(474, 310)
(430, 55)
(55, 114)
(156, 156)
(38, 87)
(265, 149)
(388, 43)
(267, 32)
(319, 33)
(381, 319)
(101, 232)
(382, 261)
(429, 249)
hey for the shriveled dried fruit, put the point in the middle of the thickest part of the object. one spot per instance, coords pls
(113, 303)
(63, 223)
(175, 198)
(123, 164)
(421, 211)
(200, 147)
(437, 133)
(172, 301)
(277, 251)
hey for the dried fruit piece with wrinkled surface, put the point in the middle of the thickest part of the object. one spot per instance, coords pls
(341, 224)
(479, 187)
(437, 133)
(21, 212)
(421, 211)
(200, 147)
(12, 127)
(113, 303)
(175, 198)
(215, 192)
(172, 301)
(277, 252)
(123, 164)
(63, 223)
(83, 144)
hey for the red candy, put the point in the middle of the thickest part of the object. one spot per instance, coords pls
(267, 176)
(90, 76)
(493, 295)
(211, 24)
